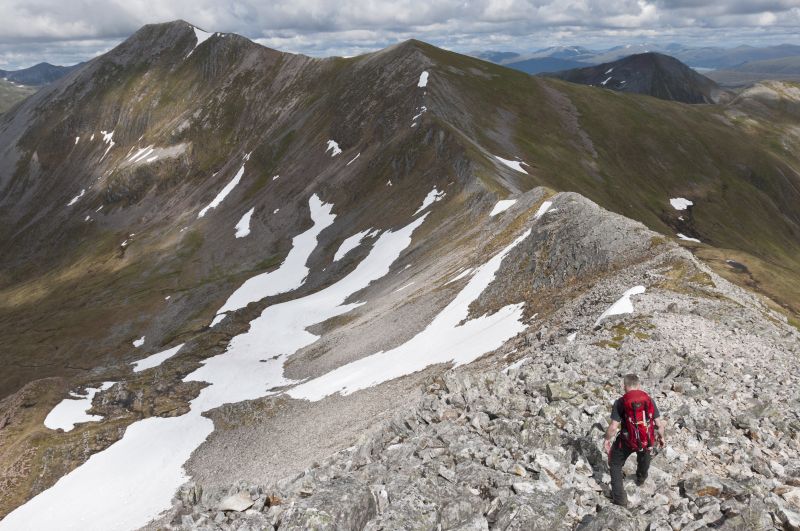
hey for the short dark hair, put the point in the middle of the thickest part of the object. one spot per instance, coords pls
(631, 380)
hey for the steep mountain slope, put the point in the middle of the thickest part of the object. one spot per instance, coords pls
(40, 74)
(264, 222)
(653, 74)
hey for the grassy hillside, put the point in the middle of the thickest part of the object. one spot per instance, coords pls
(631, 153)
(11, 94)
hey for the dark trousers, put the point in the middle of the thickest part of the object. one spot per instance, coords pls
(619, 454)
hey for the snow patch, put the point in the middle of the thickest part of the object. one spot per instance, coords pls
(449, 338)
(679, 203)
(71, 411)
(516, 365)
(108, 139)
(333, 147)
(349, 244)
(458, 277)
(141, 154)
(223, 193)
(543, 209)
(75, 199)
(608, 71)
(502, 206)
(513, 164)
(606, 81)
(292, 272)
(201, 36)
(243, 226)
(687, 238)
(353, 159)
(77, 139)
(138, 342)
(156, 359)
(623, 305)
(401, 288)
(423, 79)
(432, 197)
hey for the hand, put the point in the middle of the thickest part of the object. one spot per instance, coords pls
(661, 442)
(607, 446)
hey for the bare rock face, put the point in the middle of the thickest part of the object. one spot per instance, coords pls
(343, 503)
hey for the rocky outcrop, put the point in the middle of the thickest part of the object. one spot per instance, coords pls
(519, 446)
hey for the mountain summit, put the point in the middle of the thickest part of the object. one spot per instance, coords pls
(241, 287)
(653, 74)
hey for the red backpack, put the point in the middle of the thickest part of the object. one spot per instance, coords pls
(638, 422)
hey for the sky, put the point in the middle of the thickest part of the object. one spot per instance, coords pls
(69, 31)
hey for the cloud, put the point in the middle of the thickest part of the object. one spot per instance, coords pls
(65, 29)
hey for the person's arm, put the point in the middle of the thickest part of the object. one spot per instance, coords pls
(610, 433)
(661, 428)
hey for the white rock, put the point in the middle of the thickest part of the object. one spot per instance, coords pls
(237, 502)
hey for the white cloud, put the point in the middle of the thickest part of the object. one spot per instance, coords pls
(346, 27)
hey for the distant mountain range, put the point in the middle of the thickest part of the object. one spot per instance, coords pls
(16, 85)
(653, 74)
(40, 74)
(784, 68)
(547, 60)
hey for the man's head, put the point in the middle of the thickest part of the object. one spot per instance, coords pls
(630, 382)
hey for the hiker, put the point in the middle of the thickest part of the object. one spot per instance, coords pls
(642, 430)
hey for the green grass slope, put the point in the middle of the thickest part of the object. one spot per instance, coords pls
(737, 162)
(11, 94)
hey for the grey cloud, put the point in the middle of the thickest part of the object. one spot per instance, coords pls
(50, 28)
(731, 7)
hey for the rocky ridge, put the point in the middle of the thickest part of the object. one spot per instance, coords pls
(515, 442)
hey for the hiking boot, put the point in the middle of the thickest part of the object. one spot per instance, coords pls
(640, 481)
